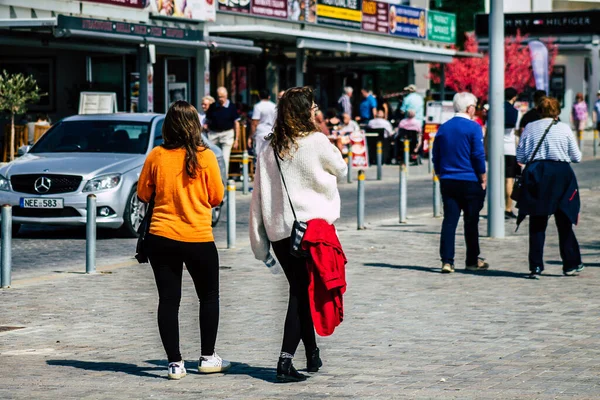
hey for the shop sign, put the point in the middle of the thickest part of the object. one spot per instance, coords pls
(408, 22)
(441, 27)
(358, 146)
(124, 3)
(240, 6)
(343, 13)
(375, 17)
(200, 10)
(270, 8)
(302, 10)
(127, 29)
(537, 24)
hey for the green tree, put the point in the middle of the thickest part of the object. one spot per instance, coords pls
(465, 11)
(16, 91)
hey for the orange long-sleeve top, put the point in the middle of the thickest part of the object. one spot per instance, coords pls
(182, 205)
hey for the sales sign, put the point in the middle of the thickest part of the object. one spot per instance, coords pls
(344, 13)
(358, 146)
(408, 22)
(441, 27)
(375, 17)
(270, 8)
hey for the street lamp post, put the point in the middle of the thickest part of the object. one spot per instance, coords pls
(496, 122)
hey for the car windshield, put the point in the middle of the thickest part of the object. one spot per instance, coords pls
(95, 136)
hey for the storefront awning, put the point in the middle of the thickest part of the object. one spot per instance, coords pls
(344, 41)
(233, 45)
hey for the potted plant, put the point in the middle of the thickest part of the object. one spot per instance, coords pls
(16, 91)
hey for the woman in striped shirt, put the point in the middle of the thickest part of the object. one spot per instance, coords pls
(550, 187)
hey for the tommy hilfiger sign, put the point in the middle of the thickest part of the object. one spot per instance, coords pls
(555, 23)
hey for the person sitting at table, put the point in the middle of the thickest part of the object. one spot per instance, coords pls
(413, 125)
(341, 135)
(332, 119)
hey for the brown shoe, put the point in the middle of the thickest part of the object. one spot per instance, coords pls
(447, 268)
(481, 265)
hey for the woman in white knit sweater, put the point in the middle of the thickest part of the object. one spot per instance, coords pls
(312, 167)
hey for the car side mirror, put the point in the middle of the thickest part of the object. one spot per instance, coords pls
(23, 150)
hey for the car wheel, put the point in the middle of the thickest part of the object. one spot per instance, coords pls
(134, 213)
(216, 215)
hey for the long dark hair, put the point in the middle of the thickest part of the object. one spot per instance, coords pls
(182, 130)
(294, 119)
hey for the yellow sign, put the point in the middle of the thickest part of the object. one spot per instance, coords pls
(339, 13)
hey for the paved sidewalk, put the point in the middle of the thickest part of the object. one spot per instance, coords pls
(409, 331)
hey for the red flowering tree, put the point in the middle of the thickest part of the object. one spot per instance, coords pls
(472, 74)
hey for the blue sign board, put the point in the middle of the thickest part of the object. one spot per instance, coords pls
(408, 22)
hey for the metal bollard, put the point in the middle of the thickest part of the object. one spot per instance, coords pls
(406, 153)
(349, 166)
(595, 142)
(379, 160)
(437, 197)
(403, 194)
(580, 133)
(429, 159)
(5, 275)
(90, 236)
(245, 182)
(361, 200)
(230, 214)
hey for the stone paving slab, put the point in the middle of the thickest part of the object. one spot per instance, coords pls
(409, 332)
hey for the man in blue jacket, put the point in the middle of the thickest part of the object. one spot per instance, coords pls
(459, 162)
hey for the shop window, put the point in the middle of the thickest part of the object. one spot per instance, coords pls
(178, 74)
(42, 70)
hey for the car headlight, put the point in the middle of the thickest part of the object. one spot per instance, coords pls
(4, 184)
(104, 182)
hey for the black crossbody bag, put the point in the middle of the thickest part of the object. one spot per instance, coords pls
(518, 186)
(143, 230)
(299, 227)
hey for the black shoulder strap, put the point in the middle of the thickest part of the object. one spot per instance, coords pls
(284, 185)
(541, 141)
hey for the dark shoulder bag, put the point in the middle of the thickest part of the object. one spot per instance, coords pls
(143, 230)
(299, 227)
(518, 186)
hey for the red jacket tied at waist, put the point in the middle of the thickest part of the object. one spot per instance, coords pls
(326, 275)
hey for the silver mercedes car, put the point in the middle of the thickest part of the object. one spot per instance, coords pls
(82, 155)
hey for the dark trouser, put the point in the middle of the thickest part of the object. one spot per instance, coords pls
(466, 196)
(298, 321)
(202, 262)
(567, 242)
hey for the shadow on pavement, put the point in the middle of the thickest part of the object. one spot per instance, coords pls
(554, 262)
(48, 232)
(489, 272)
(131, 369)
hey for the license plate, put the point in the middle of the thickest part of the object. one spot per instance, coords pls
(42, 203)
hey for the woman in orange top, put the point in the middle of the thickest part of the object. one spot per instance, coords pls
(183, 175)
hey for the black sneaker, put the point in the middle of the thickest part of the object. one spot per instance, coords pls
(535, 272)
(287, 373)
(313, 361)
(574, 271)
(509, 215)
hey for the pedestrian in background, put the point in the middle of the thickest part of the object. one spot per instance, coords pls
(368, 106)
(382, 104)
(459, 162)
(345, 101)
(223, 125)
(533, 114)
(550, 187)
(182, 176)
(596, 114)
(311, 167)
(207, 101)
(263, 118)
(579, 114)
(511, 168)
(414, 101)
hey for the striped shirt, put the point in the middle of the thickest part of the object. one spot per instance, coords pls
(345, 104)
(559, 144)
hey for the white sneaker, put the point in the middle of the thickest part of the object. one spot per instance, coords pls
(212, 364)
(177, 370)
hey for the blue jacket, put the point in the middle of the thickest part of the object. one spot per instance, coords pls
(458, 150)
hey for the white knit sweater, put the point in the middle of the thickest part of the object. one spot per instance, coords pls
(311, 176)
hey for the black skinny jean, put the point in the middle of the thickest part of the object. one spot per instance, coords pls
(202, 262)
(567, 242)
(298, 321)
(467, 196)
